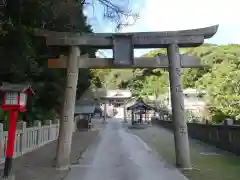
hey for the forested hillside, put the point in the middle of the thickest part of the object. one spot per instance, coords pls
(221, 78)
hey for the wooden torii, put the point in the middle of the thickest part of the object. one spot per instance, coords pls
(123, 45)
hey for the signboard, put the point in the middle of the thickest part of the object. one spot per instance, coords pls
(122, 50)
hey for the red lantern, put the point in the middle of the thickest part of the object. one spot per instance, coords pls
(14, 99)
(14, 96)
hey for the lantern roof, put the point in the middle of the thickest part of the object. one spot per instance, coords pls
(16, 87)
(140, 104)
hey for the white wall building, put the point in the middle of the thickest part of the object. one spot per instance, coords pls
(193, 99)
(115, 100)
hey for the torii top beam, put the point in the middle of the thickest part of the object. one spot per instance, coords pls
(184, 38)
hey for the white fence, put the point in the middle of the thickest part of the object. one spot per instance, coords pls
(28, 139)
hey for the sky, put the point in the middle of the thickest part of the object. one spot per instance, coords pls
(168, 15)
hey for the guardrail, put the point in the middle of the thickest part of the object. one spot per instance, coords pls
(28, 139)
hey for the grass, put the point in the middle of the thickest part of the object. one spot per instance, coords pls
(224, 166)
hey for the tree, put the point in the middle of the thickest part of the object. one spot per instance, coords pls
(220, 79)
(118, 12)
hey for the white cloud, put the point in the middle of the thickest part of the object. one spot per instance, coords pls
(159, 15)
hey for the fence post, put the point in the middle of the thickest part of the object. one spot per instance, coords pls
(230, 139)
(21, 126)
(1, 142)
(75, 120)
(38, 124)
(49, 123)
(217, 135)
(209, 135)
(57, 130)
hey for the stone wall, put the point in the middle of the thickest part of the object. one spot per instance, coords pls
(222, 136)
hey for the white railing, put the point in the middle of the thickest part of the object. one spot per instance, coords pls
(28, 139)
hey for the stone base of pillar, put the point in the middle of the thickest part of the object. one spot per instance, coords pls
(11, 177)
(186, 169)
(104, 121)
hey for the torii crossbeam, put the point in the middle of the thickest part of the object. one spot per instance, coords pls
(123, 55)
(184, 38)
(160, 61)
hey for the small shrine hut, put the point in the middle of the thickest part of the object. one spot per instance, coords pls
(140, 112)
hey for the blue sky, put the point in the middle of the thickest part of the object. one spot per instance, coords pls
(163, 15)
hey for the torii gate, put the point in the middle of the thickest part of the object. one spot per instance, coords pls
(123, 45)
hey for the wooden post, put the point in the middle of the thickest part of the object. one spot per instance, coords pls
(132, 117)
(1, 142)
(105, 112)
(49, 123)
(38, 124)
(67, 118)
(124, 112)
(145, 116)
(22, 127)
(180, 124)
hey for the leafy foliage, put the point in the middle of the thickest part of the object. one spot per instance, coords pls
(24, 57)
(220, 78)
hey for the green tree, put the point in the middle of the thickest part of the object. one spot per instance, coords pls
(220, 78)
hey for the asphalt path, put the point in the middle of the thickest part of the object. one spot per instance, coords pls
(119, 155)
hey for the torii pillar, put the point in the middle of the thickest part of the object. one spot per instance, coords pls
(178, 113)
(125, 112)
(67, 117)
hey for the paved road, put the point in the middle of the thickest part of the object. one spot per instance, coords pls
(119, 155)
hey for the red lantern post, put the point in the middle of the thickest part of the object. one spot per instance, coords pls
(14, 99)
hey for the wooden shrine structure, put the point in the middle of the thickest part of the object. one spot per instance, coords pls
(140, 112)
